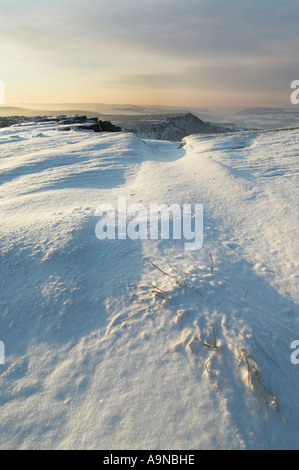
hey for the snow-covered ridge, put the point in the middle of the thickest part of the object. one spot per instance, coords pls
(163, 127)
(173, 127)
(103, 350)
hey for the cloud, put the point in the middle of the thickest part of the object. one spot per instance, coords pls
(189, 29)
(154, 44)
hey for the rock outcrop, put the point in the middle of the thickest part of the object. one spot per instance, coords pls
(64, 123)
(173, 128)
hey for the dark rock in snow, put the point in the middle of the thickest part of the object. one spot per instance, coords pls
(65, 123)
(107, 126)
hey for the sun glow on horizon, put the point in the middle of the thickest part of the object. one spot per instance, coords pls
(195, 53)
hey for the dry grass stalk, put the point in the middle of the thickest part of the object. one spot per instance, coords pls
(175, 267)
(194, 338)
(255, 372)
(171, 349)
(135, 298)
(155, 287)
(206, 364)
(134, 314)
(180, 282)
(212, 264)
(250, 381)
(214, 345)
(164, 272)
(160, 295)
(246, 293)
(195, 289)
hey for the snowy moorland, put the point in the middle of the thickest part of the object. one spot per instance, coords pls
(141, 344)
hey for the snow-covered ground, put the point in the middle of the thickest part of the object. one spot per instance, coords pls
(109, 344)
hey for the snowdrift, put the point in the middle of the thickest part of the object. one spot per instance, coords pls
(140, 344)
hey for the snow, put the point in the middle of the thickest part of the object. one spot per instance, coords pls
(169, 126)
(109, 343)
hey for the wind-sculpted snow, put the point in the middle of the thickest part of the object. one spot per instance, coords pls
(140, 344)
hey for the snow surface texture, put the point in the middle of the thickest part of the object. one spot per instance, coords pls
(122, 344)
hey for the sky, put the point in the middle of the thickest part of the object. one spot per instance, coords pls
(203, 53)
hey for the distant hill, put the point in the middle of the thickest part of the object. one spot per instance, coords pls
(262, 111)
(30, 112)
(171, 127)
